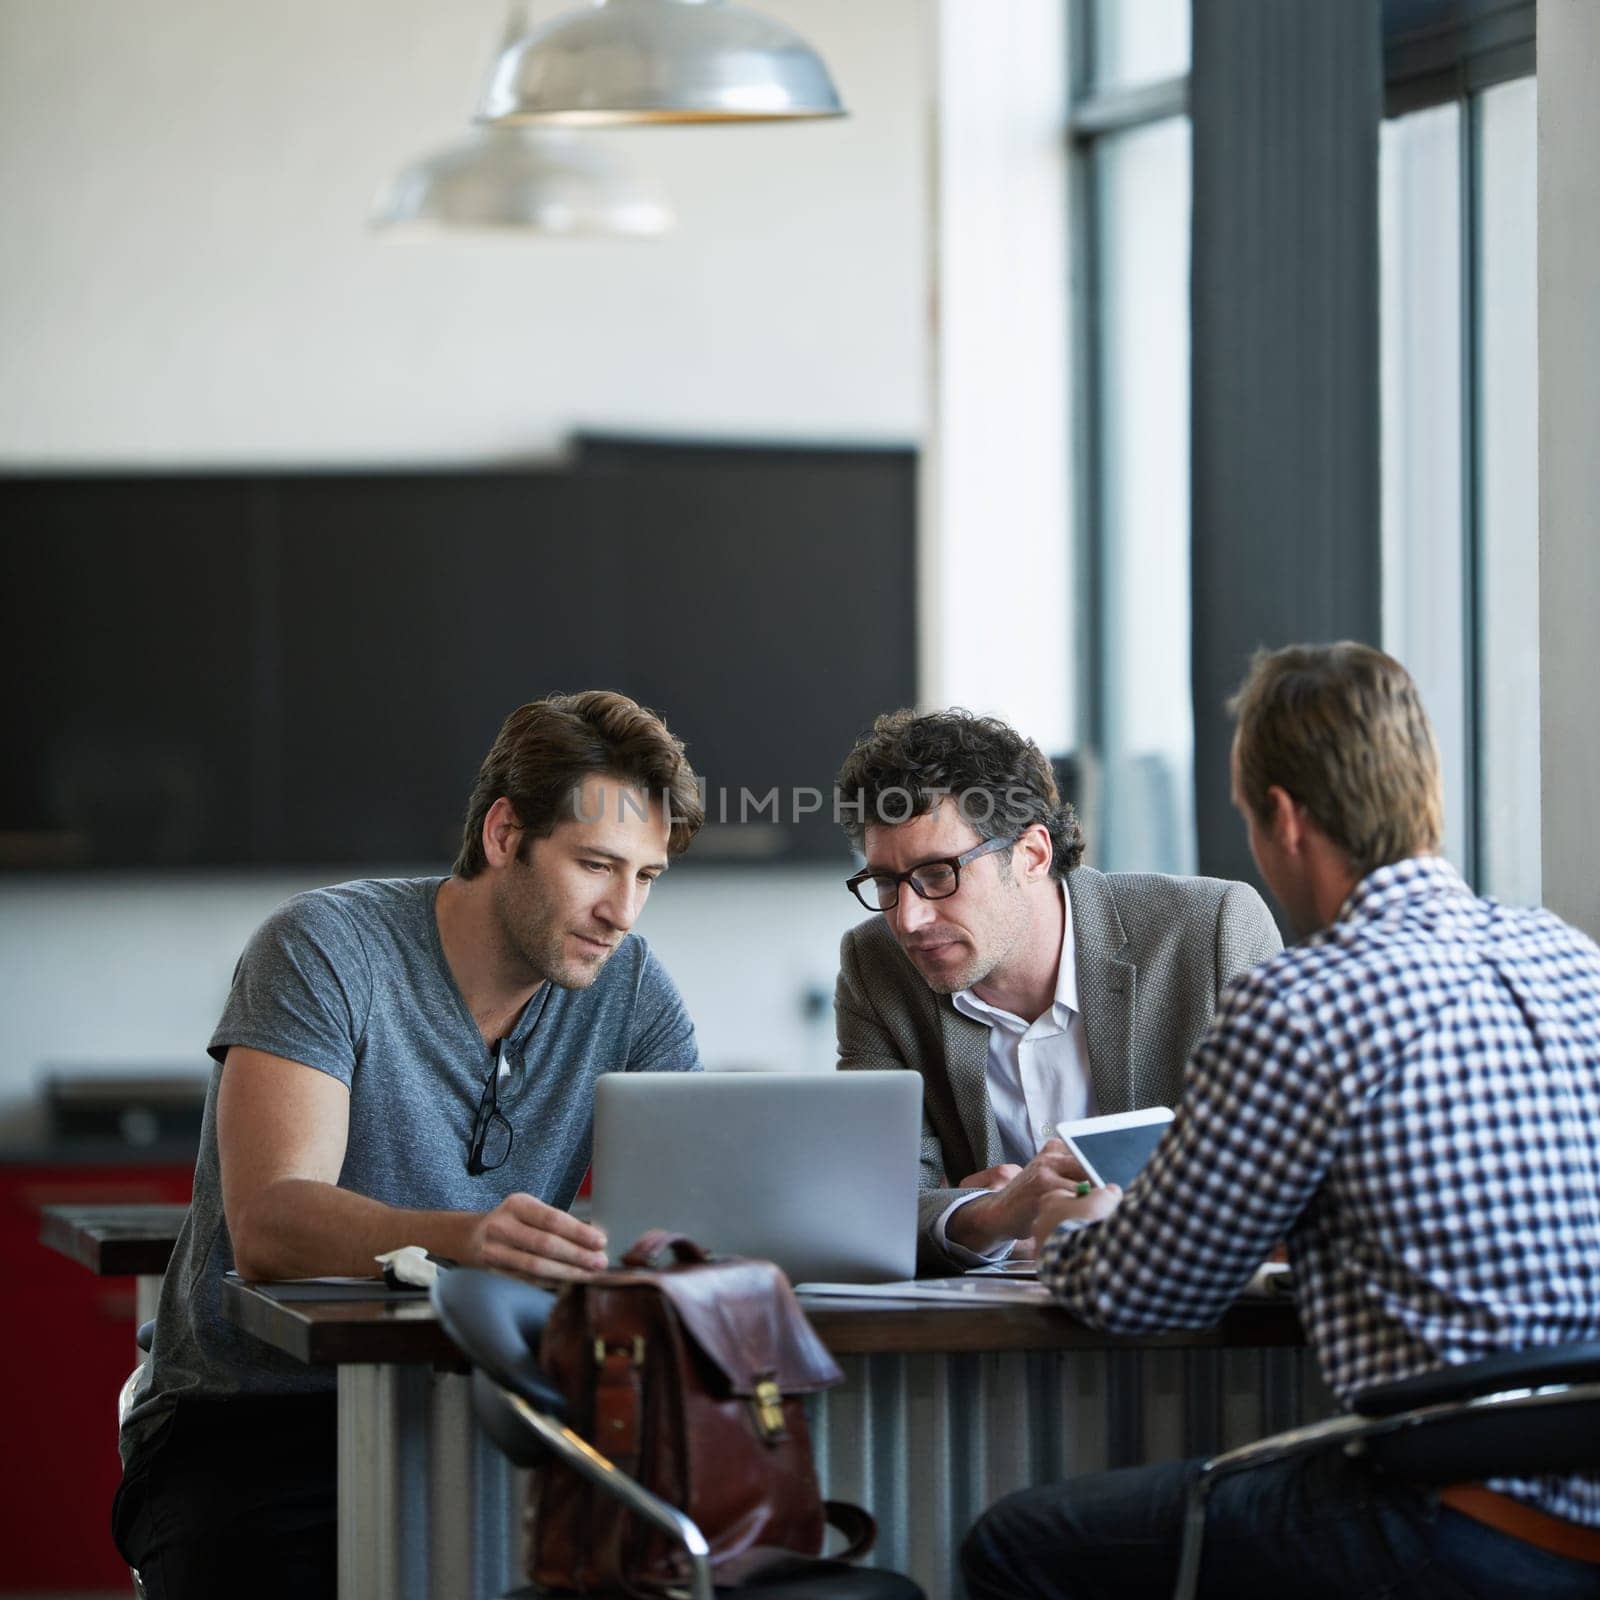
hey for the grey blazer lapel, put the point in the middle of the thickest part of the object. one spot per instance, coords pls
(966, 1064)
(1107, 988)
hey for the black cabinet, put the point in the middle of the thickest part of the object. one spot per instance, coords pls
(414, 614)
(307, 668)
(770, 613)
(127, 651)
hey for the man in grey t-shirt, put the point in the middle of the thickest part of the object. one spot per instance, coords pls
(403, 1062)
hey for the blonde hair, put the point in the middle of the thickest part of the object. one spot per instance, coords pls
(1341, 728)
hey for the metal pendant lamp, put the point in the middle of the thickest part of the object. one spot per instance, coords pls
(512, 179)
(653, 61)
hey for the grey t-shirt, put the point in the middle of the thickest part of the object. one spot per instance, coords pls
(352, 981)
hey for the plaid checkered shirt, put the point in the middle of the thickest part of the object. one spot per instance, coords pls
(1412, 1098)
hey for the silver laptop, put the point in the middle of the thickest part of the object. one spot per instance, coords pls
(816, 1171)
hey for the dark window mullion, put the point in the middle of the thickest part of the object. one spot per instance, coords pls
(1081, 47)
(1471, 145)
(1092, 599)
(1088, 371)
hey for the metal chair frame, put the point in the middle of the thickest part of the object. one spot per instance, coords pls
(582, 1457)
(144, 1337)
(1353, 1433)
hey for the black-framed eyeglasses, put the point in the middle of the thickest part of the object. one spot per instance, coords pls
(933, 880)
(491, 1133)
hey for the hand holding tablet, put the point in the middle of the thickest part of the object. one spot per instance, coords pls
(1111, 1151)
(1074, 1209)
(1114, 1148)
(1106, 1151)
(1008, 1209)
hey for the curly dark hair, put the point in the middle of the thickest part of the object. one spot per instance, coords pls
(999, 780)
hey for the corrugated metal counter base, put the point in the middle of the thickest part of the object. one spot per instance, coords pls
(926, 1442)
(429, 1508)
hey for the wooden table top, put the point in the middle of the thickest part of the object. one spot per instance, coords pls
(403, 1329)
(113, 1241)
(138, 1239)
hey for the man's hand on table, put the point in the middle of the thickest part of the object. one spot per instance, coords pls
(1069, 1206)
(1015, 1196)
(525, 1236)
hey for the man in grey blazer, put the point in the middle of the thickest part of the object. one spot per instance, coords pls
(1027, 989)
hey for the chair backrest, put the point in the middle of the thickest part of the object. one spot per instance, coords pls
(1521, 1414)
(496, 1322)
(1514, 1438)
(1514, 1369)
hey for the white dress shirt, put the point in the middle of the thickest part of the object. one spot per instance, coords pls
(1037, 1074)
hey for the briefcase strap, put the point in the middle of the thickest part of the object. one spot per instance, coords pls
(619, 1403)
(856, 1523)
(650, 1249)
(771, 1564)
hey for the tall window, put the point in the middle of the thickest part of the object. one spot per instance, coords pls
(1460, 498)
(1131, 204)
(1460, 434)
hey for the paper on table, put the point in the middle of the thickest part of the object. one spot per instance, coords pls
(1271, 1281)
(300, 1289)
(369, 1279)
(363, 1279)
(409, 1267)
(966, 1291)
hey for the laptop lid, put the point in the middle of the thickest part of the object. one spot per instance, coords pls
(816, 1171)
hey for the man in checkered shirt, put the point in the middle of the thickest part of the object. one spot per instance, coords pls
(1410, 1096)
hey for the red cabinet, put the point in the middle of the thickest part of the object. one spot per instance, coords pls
(66, 1337)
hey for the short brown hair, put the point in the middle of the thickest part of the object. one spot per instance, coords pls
(1341, 729)
(999, 780)
(546, 749)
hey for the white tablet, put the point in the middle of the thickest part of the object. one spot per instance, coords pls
(1113, 1149)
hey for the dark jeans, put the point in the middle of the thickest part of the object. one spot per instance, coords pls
(1319, 1527)
(235, 1498)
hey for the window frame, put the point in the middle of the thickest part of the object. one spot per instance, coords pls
(1093, 115)
(1439, 52)
(1434, 52)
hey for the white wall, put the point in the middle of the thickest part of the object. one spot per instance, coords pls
(1569, 467)
(997, 622)
(131, 970)
(185, 273)
(186, 277)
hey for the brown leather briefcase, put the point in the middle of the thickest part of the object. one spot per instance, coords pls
(687, 1373)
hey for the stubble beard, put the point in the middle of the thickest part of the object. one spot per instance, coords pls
(980, 963)
(562, 970)
(530, 930)
(974, 970)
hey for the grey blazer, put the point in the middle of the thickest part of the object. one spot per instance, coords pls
(1154, 953)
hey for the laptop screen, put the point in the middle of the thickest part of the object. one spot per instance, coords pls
(816, 1171)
